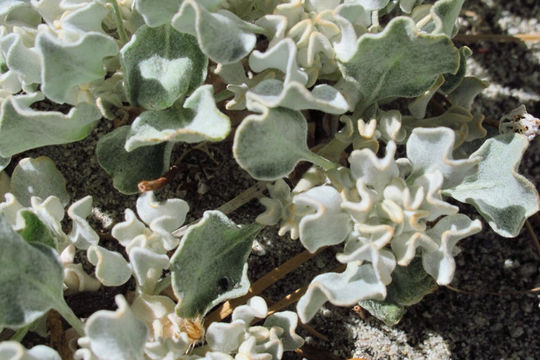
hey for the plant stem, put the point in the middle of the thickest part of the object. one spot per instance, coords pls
(20, 333)
(72, 319)
(119, 24)
(321, 161)
(223, 95)
(162, 284)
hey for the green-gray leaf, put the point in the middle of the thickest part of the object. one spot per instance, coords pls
(22, 128)
(66, 65)
(198, 119)
(268, 146)
(409, 285)
(210, 265)
(399, 62)
(501, 195)
(35, 231)
(161, 65)
(129, 168)
(30, 280)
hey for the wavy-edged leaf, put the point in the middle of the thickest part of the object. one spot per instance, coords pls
(444, 14)
(66, 65)
(82, 235)
(129, 168)
(198, 119)
(210, 265)
(116, 334)
(38, 177)
(452, 81)
(221, 35)
(357, 282)
(399, 62)
(111, 267)
(13, 350)
(161, 65)
(501, 195)
(22, 128)
(30, 280)
(157, 15)
(268, 146)
(431, 149)
(295, 96)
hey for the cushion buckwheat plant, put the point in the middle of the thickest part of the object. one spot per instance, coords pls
(385, 164)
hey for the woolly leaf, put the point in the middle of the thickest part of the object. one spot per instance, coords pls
(22, 128)
(38, 177)
(452, 81)
(431, 149)
(30, 280)
(161, 65)
(501, 195)
(357, 282)
(295, 96)
(116, 334)
(157, 15)
(66, 65)
(111, 267)
(268, 146)
(221, 35)
(197, 120)
(13, 350)
(399, 62)
(129, 168)
(210, 265)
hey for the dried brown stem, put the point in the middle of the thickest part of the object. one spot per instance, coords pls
(466, 38)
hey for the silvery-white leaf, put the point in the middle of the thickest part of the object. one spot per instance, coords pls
(328, 225)
(446, 233)
(128, 229)
(111, 267)
(13, 350)
(197, 119)
(38, 177)
(116, 334)
(295, 96)
(157, 15)
(221, 34)
(68, 64)
(430, 150)
(357, 282)
(147, 267)
(375, 172)
(170, 213)
(18, 121)
(286, 320)
(499, 193)
(82, 235)
(273, 59)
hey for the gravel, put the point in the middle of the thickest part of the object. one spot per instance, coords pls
(492, 319)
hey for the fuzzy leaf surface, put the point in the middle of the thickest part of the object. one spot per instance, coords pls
(221, 35)
(268, 146)
(501, 195)
(38, 177)
(129, 168)
(22, 128)
(198, 119)
(66, 65)
(399, 62)
(30, 280)
(161, 65)
(116, 334)
(210, 265)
